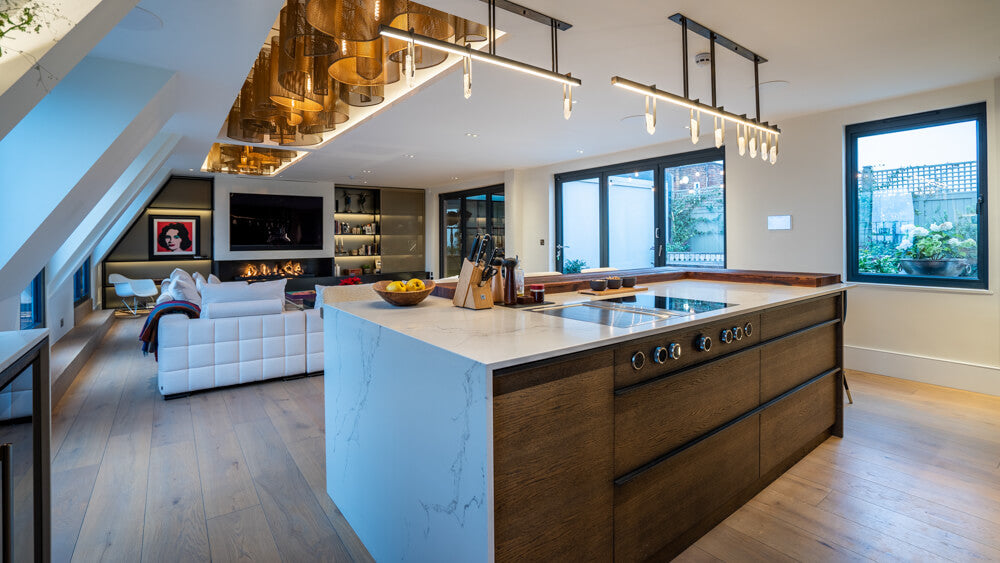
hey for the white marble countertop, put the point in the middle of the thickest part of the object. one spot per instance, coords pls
(14, 343)
(502, 337)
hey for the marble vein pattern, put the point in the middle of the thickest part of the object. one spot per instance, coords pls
(408, 442)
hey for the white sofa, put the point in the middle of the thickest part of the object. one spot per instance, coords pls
(204, 353)
(197, 354)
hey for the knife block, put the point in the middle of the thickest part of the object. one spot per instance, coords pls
(468, 294)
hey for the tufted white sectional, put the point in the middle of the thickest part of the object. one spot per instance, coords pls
(199, 354)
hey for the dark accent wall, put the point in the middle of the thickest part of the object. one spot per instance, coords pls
(130, 256)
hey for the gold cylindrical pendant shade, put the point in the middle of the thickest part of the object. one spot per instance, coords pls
(362, 96)
(335, 111)
(364, 63)
(350, 20)
(298, 37)
(467, 31)
(302, 98)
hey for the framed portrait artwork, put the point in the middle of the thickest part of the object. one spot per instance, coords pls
(172, 237)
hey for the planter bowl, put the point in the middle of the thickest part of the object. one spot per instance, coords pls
(950, 268)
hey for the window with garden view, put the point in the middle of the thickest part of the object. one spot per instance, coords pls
(668, 211)
(916, 199)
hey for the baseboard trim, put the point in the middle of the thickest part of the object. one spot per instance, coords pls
(936, 371)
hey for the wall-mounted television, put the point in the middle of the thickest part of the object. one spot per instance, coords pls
(275, 222)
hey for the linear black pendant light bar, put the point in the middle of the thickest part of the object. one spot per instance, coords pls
(758, 132)
(490, 57)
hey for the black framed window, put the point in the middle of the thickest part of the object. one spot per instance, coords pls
(81, 283)
(916, 199)
(666, 211)
(463, 215)
(33, 303)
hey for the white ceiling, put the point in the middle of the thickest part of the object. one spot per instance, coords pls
(832, 54)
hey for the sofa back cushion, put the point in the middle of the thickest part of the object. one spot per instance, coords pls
(248, 308)
(227, 292)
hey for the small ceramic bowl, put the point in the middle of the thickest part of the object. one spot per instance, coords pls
(628, 281)
(614, 283)
(598, 285)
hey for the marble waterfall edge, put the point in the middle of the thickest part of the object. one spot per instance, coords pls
(408, 431)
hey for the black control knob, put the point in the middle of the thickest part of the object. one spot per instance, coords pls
(704, 343)
(638, 360)
(674, 351)
(738, 332)
(660, 355)
(727, 336)
(748, 328)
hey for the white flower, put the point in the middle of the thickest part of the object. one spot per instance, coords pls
(947, 226)
(905, 245)
(907, 228)
(919, 232)
(954, 241)
(968, 243)
(935, 227)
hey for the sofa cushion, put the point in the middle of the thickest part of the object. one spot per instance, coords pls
(181, 274)
(229, 309)
(198, 278)
(242, 291)
(212, 278)
(183, 290)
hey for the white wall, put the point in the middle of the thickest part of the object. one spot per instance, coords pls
(946, 337)
(59, 307)
(226, 184)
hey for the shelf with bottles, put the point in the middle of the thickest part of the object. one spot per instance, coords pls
(339, 256)
(342, 228)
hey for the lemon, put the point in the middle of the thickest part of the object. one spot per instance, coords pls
(415, 285)
(396, 287)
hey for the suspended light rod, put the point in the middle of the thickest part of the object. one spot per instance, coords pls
(691, 104)
(475, 55)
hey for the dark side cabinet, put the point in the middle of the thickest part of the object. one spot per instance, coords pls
(598, 458)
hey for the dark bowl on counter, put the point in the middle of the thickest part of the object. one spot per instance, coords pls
(628, 281)
(614, 283)
(598, 285)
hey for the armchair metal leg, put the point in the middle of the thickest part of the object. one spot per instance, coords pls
(134, 308)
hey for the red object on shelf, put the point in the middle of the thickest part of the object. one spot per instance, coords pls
(351, 281)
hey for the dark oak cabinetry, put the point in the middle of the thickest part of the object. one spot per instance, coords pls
(597, 459)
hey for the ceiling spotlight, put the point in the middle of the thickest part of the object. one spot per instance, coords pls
(366, 171)
(472, 135)
(454, 177)
(409, 155)
(579, 151)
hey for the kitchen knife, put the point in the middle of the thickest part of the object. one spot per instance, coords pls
(484, 244)
(475, 249)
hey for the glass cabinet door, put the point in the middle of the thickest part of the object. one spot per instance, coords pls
(402, 238)
(464, 215)
(452, 244)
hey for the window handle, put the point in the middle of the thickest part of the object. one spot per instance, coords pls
(657, 235)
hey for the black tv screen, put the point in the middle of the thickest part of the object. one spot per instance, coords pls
(275, 222)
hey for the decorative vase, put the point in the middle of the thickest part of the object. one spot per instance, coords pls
(950, 267)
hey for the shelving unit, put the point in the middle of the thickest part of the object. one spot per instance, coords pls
(357, 208)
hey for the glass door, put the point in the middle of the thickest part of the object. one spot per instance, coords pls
(464, 215)
(580, 209)
(631, 219)
(695, 202)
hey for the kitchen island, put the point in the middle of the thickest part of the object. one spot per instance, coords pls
(508, 434)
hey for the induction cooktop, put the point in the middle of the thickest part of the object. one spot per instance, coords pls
(676, 305)
(632, 310)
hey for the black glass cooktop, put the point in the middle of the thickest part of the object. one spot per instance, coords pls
(675, 305)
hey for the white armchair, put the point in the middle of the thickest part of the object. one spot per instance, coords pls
(127, 287)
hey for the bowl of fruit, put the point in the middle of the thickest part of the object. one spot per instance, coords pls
(404, 293)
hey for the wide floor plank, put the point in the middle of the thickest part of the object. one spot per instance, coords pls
(174, 528)
(242, 536)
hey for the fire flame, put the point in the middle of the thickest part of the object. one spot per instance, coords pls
(287, 270)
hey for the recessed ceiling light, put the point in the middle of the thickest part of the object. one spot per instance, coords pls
(472, 135)
(365, 181)
(454, 177)
(409, 155)
(366, 171)
(579, 151)
(190, 169)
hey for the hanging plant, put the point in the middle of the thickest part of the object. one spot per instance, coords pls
(15, 17)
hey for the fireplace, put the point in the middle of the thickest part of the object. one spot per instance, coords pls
(273, 269)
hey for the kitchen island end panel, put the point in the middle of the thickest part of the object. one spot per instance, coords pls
(408, 443)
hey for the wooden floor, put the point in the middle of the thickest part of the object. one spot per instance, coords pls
(235, 474)
(239, 474)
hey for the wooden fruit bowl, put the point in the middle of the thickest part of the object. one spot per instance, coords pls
(402, 299)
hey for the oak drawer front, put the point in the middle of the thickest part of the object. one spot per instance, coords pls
(553, 444)
(626, 375)
(782, 320)
(660, 504)
(789, 362)
(797, 419)
(653, 419)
